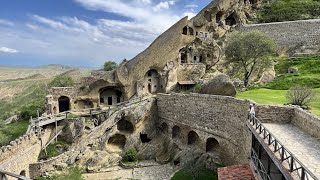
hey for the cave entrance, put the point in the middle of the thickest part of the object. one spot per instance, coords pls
(207, 15)
(125, 126)
(230, 20)
(219, 16)
(164, 128)
(176, 131)
(110, 96)
(144, 138)
(64, 104)
(185, 30)
(193, 138)
(23, 173)
(116, 142)
(152, 82)
(184, 58)
(212, 145)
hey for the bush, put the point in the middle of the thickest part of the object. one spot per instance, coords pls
(300, 96)
(110, 65)
(73, 173)
(130, 156)
(62, 81)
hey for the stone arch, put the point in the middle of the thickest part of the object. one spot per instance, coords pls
(117, 142)
(193, 138)
(152, 82)
(23, 173)
(64, 104)
(110, 96)
(176, 131)
(230, 20)
(185, 30)
(212, 145)
(164, 128)
(184, 58)
(125, 126)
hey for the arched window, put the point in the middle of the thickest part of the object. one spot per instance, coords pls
(176, 131)
(193, 138)
(212, 145)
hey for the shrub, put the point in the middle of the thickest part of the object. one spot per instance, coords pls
(110, 65)
(62, 81)
(73, 173)
(130, 156)
(300, 96)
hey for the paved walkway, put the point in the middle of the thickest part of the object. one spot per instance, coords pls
(305, 147)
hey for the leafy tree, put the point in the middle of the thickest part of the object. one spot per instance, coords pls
(62, 81)
(110, 65)
(249, 51)
(300, 95)
(130, 156)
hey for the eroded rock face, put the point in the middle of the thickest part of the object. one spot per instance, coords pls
(220, 85)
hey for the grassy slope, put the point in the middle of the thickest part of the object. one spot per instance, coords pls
(12, 131)
(186, 175)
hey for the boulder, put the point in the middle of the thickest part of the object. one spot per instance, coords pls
(220, 85)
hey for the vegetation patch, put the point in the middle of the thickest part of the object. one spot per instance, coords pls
(54, 150)
(73, 173)
(130, 157)
(12, 131)
(204, 174)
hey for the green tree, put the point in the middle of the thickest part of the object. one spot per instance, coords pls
(249, 51)
(62, 81)
(110, 65)
(300, 95)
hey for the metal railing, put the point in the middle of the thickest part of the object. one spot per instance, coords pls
(4, 175)
(286, 158)
(260, 167)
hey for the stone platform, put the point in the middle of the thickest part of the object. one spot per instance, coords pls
(303, 146)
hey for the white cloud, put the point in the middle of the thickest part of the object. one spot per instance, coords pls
(6, 22)
(8, 50)
(191, 6)
(163, 5)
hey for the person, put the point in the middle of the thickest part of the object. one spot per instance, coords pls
(252, 111)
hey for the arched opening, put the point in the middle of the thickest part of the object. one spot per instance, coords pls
(185, 30)
(212, 145)
(219, 16)
(110, 96)
(116, 142)
(55, 110)
(193, 138)
(144, 138)
(152, 82)
(230, 20)
(23, 173)
(191, 31)
(164, 128)
(207, 15)
(125, 126)
(64, 104)
(176, 131)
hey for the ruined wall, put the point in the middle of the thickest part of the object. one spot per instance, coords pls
(306, 122)
(21, 152)
(219, 117)
(291, 33)
(274, 114)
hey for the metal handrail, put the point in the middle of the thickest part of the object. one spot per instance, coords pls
(285, 155)
(3, 175)
(259, 166)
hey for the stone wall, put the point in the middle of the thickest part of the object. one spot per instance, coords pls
(21, 152)
(274, 114)
(218, 117)
(291, 33)
(306, 122)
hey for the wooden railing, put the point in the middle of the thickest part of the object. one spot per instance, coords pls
(4, 175)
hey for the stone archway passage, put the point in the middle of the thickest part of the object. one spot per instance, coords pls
(23, 173)
(116, 142)
(212, 145)
(64, 104)
(125, 126)
(193, 138)
(176, 131)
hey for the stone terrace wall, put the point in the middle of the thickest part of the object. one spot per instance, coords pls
(21, 152)
(220, 117)
(291, 33)
(274, 114)
(306, 122)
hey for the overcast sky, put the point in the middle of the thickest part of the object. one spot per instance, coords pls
(84, 32)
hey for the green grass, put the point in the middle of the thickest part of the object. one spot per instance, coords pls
(277, 97)
(308, 74)
(52, 150)
(187, 175)
(12, 131)
(73, 173)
